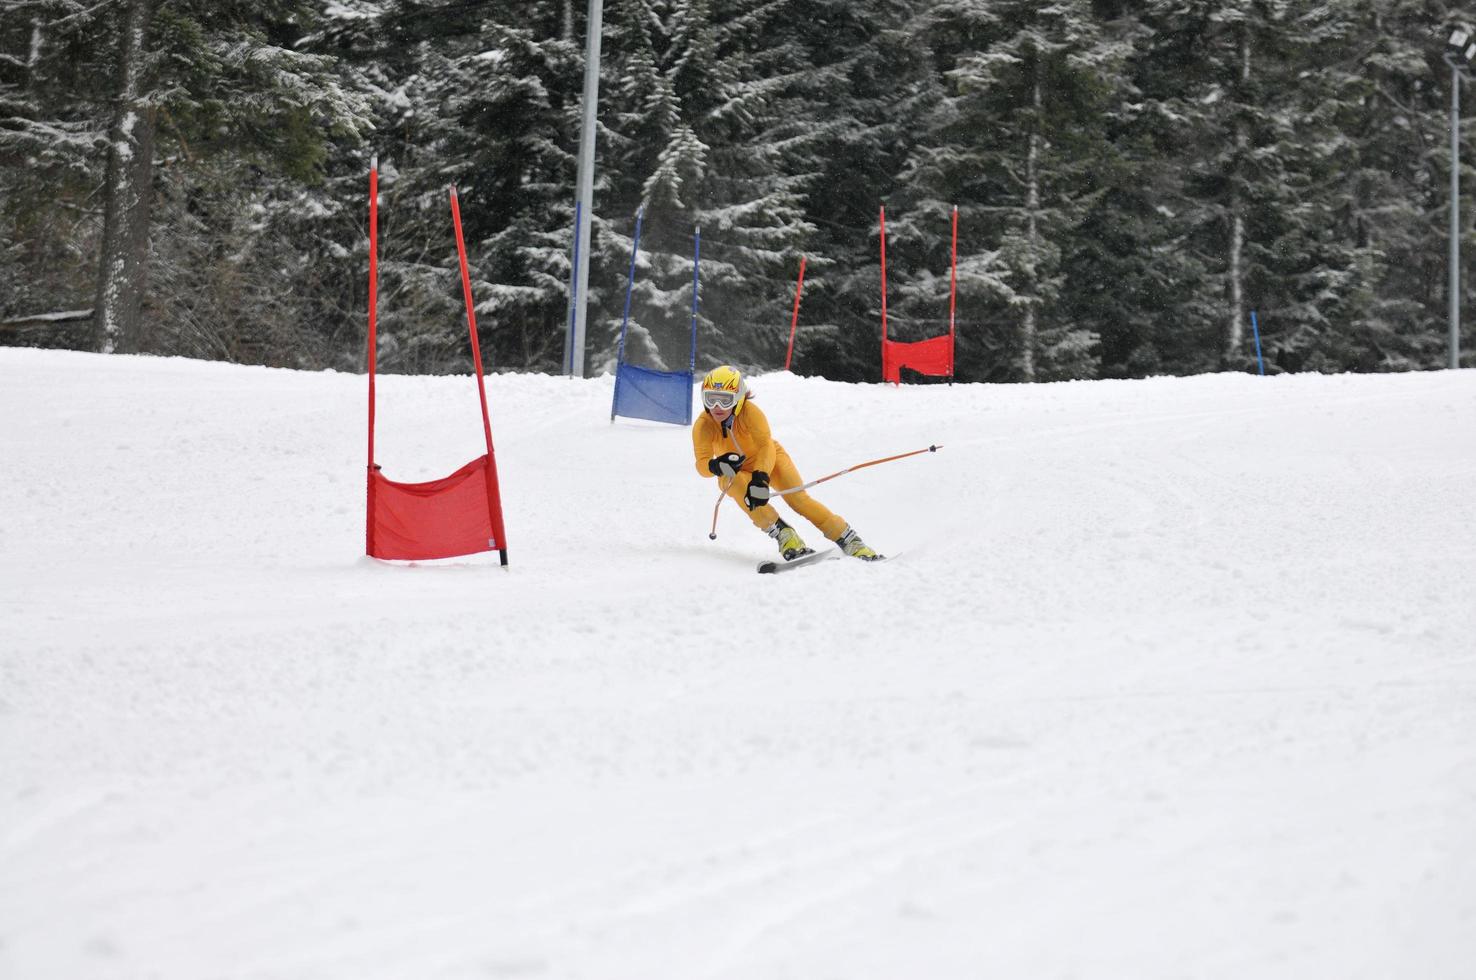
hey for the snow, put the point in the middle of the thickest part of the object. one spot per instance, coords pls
(123, 145)
(1172, 678)
(353, 10)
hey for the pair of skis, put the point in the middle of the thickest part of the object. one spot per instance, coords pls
(772, 567)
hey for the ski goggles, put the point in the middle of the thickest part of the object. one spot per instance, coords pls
(718, 398)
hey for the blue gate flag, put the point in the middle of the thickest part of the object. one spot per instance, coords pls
(646, 393)
(661, 396)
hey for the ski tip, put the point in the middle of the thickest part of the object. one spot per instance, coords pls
(772, 565)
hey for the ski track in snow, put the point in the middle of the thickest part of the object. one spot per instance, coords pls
(1176, 678)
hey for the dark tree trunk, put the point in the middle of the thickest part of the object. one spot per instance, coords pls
(122, 274)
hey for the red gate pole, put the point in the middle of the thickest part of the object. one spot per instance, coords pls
(373, 343)
(494, 507)
(794, 317)
(884, 289)
(952, 296)
(471, 316)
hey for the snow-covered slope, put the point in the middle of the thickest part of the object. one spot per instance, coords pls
(1174, 678)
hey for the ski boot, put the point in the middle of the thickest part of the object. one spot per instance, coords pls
(788, 539)
(850, 542)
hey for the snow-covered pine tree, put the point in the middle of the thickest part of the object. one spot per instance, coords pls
(231, 98)
(1231, 85)
(863, 80)
(52, 82)
(649, 159)
(514, 102)
(1017, 142)
(1126, 276)
(713, 136)
(406, 53)
(1375, 129)
(764, 133)
(487, 97)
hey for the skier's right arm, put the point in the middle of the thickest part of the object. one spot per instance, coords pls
(726, 464)
(702, 435)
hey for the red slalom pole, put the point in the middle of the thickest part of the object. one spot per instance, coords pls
(373, 291)
(372, 340)
(471, 316)
(794, 317)
(952, 295)
(884, 288)
(494, 508)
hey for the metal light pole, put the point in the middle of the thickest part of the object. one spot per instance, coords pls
(584, 195)
(1460, 50)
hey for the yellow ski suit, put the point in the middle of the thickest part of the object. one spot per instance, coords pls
(749, 434)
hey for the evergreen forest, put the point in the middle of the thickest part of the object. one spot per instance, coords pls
(1132, 180)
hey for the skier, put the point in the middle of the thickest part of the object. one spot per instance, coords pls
(731, 441)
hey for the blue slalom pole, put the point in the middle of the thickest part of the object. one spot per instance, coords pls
(1256, 329)
(573, 297)
(696, 265)
(635, 247)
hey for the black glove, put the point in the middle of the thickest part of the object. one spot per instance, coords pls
(757, 493)
(725, 465)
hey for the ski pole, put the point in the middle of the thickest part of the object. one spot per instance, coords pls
(722, 492)
(852, 469)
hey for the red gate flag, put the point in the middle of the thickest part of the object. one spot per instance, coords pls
(933, 356)
(439, 519)
(460, 514)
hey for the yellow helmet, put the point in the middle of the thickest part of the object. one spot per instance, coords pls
(724, 387)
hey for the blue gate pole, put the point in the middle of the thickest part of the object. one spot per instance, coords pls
(696, 278)
(696, 264)
(635, 247)
(1256, 329)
